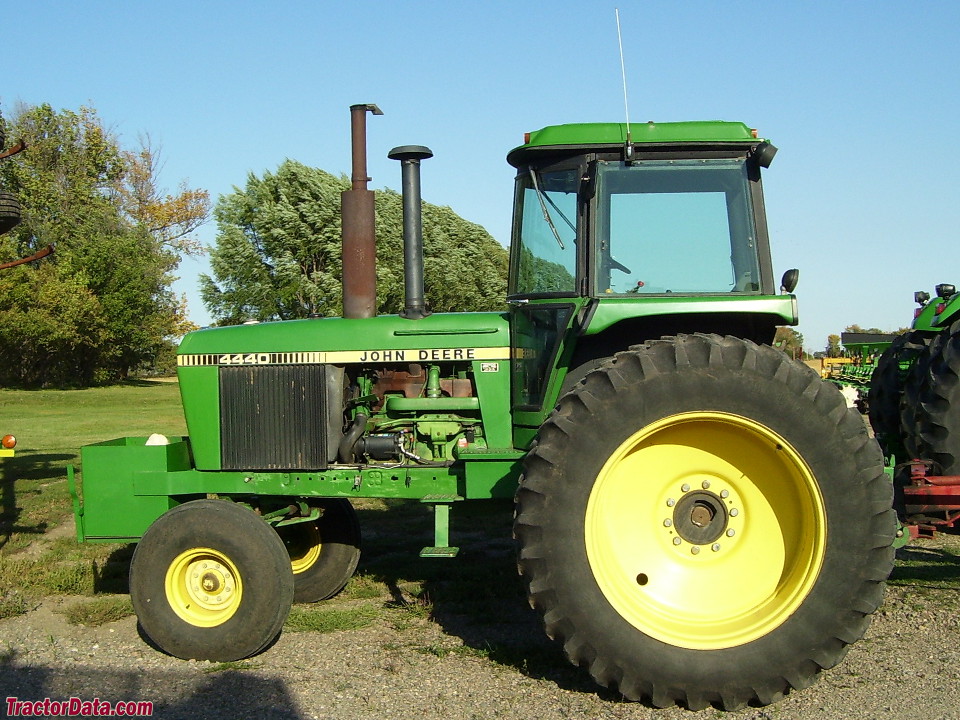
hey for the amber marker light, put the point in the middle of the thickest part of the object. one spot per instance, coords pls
(9, 442)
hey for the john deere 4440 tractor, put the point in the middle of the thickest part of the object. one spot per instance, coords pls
(699, 518)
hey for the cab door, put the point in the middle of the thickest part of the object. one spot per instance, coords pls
(544, 288)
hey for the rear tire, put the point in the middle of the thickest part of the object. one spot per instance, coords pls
(937, 416)
(210, 580)
(324, 553)
(886, 386)
(914, 387)
(10, 212)
(702, 520)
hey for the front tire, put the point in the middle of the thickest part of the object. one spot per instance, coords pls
(210, 580)
(703, 521)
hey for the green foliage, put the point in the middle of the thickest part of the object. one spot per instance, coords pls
(790, 341)
(538, 275)
(833, 349)
(101, 305)
(278, 252)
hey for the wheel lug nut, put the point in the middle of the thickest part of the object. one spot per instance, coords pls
(685, 487)
(668, 522)
(677, 541)
(715, 547)
(695, 550)
(671, 502)
(734, 512)
(705, 484)
(731, 532)
(724, 493)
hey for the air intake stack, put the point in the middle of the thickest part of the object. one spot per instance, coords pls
(414, 307)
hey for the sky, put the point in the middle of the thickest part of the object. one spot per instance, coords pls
(861, 98)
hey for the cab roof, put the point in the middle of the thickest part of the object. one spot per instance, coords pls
(613, 136)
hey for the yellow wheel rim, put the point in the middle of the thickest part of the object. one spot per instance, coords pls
(203, 587)
(303, 545)
(705, 530)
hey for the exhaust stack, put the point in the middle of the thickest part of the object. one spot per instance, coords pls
(414, 307)
(358, 225)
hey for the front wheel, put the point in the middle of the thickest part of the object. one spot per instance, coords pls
(210, 580)
(703, 521)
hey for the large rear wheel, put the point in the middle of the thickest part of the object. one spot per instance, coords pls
(914, 386)
(703, 521)
(210, 580)
(936, 411)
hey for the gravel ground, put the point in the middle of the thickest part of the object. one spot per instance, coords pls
(908, 665)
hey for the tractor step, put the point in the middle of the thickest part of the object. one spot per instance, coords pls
(441, 526)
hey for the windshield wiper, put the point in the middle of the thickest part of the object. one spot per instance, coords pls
(543, 198)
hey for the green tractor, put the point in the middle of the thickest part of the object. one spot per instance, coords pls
(914, 401)
(903, 371)
(700, 519)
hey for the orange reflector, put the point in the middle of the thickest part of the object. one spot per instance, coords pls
(526, 138)
(753, 131)
(9, 442)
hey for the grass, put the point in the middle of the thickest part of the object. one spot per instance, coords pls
(929, 574)
(38, 551)
(233, 665)
(99, 611)
(13, 604)
(325, 619)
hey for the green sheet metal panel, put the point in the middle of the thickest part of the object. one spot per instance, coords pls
(111, 509)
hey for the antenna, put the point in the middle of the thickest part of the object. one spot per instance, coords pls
(623, 74)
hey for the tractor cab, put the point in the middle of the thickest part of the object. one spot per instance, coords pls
(660, 217)
(629, 239)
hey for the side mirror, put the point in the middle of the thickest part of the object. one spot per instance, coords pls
(764, 153)
(789, 281)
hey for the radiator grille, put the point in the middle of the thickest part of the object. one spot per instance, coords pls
(273, 417)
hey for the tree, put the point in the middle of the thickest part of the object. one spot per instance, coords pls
(789, 341)
(278, 254)
(169, 219)
(101, 305)
(869, 331)
(833, 346)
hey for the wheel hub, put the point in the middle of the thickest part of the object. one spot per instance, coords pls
(203, 587)
(700, 517)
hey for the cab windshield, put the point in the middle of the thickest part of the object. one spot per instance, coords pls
(675, 226)
(545, 245)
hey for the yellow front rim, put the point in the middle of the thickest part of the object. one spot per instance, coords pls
(303, 545)
(705, 530)
(203, 587)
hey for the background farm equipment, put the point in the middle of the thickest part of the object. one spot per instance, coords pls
(699, 518)
(852, 372)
